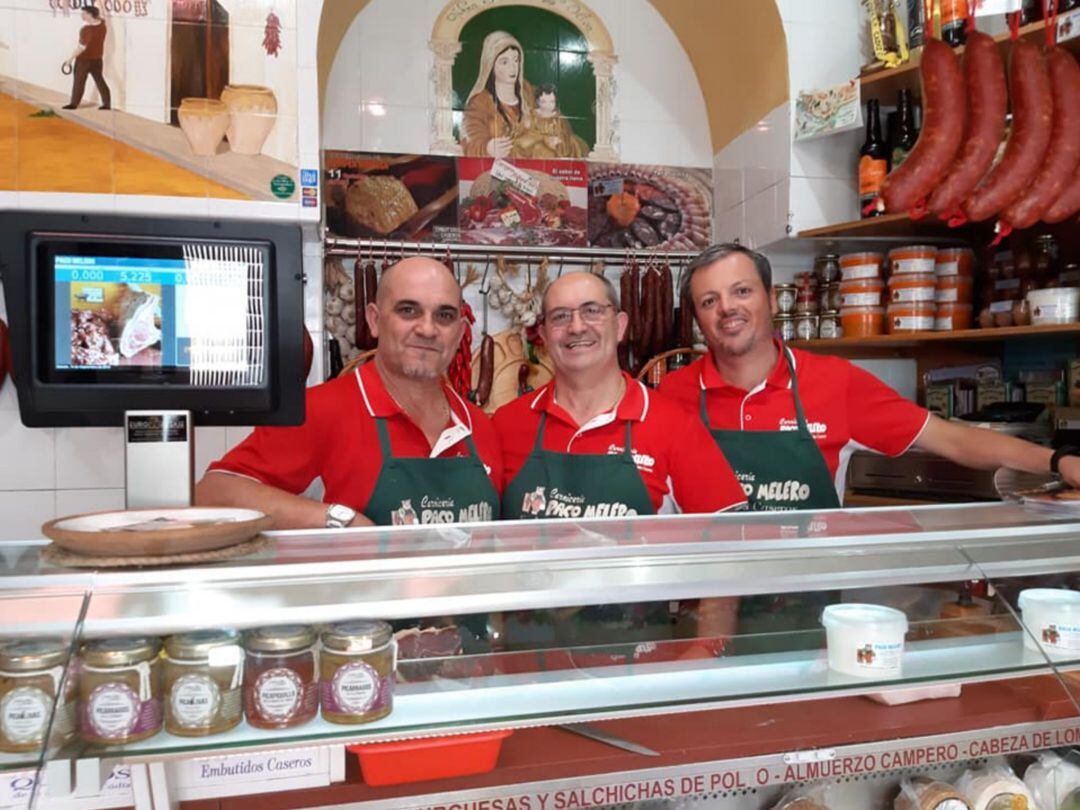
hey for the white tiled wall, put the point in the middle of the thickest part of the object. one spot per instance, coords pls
(766, 186)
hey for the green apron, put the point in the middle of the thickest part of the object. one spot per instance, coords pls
(779, 470)
(430, 490)
(568, 485)
(433, 490)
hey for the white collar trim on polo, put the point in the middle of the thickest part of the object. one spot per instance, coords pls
(450, 436)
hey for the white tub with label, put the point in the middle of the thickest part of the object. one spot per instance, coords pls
(866, 641)
(1052, 615)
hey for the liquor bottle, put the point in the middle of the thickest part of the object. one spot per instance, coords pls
(916, 23)
(873, 159)
(954, 15)
(902, 140)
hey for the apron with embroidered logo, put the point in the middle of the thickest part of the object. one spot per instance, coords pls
(569, 485)
(779, 470)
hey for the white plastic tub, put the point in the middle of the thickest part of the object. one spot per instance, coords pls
(1053, 616)
(1054, 305)
(866, 641)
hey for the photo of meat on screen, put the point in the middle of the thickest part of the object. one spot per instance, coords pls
(119, 313)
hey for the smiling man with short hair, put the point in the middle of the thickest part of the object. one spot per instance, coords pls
(595, 442)
(392, 442)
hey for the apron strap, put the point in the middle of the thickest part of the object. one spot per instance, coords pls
(538, 445)
(384, 438)
(799, 415)
(626, 450)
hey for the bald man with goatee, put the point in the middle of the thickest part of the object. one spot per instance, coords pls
(391, 441)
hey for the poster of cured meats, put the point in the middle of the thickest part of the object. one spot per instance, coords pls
(649, 207)
(522, 202)
(379, 196)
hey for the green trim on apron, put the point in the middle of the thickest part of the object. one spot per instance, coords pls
(568, 485)
(779, 470)
(430, 490)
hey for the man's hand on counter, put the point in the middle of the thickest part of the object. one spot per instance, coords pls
(288, 511)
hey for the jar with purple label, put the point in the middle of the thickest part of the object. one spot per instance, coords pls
(119, 690)
(357, 667)
(203, 672)
(281, 685)
(32, 687)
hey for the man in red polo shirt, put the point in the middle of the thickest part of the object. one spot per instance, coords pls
(594, 442)
(392, 443)
(788, 420)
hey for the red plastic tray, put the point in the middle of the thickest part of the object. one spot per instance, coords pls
(395, 763)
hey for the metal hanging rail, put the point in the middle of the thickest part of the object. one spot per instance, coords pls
(340, 246)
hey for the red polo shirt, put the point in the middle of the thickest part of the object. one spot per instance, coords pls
(678, 461)
(846, 407)
(338, 441)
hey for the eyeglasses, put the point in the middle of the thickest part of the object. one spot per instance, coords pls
(590, 313)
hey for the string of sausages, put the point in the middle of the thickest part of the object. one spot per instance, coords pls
(951, 172)
(647, 297)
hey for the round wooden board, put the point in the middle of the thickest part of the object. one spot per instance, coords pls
(198, 529)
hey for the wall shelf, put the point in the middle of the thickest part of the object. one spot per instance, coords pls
(884, 84)
(890, 345)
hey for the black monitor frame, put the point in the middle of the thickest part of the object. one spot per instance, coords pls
(49, 399)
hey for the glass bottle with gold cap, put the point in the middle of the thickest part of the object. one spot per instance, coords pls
(281, 684)
(119, 690)
(357, 667)
(31, 676)
(203, 673)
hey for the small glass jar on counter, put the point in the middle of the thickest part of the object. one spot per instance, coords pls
(31, 677)
(119, 690)
(281, 684)
(785, 327)
(806, 326)
(203, 674)
(829, 325)
(785, 298)
(357, 670)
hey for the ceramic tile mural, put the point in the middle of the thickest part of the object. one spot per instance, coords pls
(175, 98)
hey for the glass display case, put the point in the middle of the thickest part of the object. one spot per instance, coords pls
(738, 657)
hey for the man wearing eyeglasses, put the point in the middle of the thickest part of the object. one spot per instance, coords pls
(594, 442)
(392, 443)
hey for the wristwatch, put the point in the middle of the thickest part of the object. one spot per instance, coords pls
(338, 516)
(1059, 454)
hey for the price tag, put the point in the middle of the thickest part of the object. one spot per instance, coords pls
(816, 755)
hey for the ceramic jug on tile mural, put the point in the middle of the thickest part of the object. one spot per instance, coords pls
(203, 121)
(252, 112)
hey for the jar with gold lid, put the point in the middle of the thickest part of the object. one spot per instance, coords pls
(281, 682)
(31, 677)
(357, 668)
(203, 673)
(119, 690)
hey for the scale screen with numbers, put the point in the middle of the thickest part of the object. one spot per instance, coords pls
(111, 314)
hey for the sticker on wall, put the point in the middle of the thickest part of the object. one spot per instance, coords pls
(824, 112)
(523, 202)
(517, 81)
(179, 98)
(649, 207)
(410, 197)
